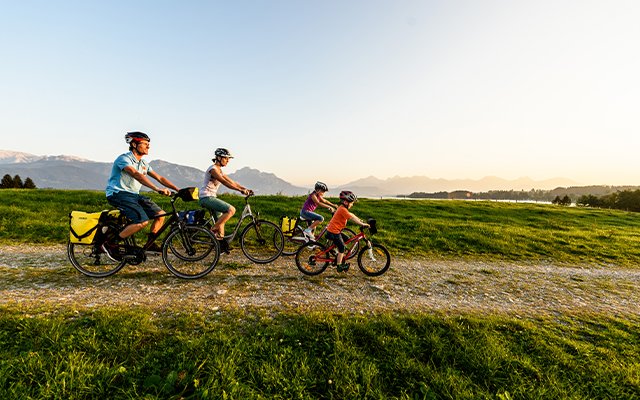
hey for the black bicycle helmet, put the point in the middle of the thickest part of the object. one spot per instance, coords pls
(136, 137)
(348, 196)
(222, 152)
(321, 186)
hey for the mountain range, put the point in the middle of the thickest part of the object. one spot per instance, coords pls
(71, 172)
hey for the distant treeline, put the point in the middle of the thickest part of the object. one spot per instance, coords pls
(627, 200)
(16, 183)
(585, 195)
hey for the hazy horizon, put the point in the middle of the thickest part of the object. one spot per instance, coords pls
(333, 90)
(567, 180)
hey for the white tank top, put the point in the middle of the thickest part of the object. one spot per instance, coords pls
(210, 185)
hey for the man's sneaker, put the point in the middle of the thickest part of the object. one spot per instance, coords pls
(308, 234)
(344, 267)
(111, 251)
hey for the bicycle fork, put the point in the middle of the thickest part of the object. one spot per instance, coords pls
(370, 251)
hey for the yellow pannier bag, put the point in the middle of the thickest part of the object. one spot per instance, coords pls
(83, 226)
(287, 225)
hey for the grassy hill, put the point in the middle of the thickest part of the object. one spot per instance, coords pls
(409, 228)
(96, 351)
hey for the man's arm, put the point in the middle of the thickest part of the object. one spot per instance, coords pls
(163, 180)
(145, 181)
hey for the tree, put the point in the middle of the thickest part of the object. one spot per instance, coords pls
(17, 182)
(29, 184)
(7, 182)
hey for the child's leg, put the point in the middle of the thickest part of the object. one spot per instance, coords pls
(316, 219)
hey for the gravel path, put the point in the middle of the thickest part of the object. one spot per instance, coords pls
(42, 275)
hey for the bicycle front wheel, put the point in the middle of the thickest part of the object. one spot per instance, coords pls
(92, 261)
(191, 252)
(306, 257)
(262, 241)
(374, 259)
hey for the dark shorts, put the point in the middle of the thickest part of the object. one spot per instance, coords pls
(337, 240)
(136, 207)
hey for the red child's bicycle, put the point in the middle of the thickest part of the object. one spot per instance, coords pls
(312, 258)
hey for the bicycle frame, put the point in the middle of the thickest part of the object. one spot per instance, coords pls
(246, 213)
(173, 220)
(326, 256)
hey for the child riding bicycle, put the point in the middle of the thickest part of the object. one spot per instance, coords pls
(339, 222)
(315, 199)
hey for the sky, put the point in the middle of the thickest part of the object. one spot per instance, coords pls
(331, 90)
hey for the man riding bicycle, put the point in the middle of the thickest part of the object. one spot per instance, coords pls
(128, 174)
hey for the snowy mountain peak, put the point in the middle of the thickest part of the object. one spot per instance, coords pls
(12, 157)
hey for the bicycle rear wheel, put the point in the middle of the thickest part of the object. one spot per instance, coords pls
(262, 241)
(293, 242)
(92, 261)
(191, 252)
(374, 259)
(306, 258)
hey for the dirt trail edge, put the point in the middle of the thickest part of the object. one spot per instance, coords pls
(38, 275)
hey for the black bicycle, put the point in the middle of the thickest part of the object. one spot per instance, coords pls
(189, 251)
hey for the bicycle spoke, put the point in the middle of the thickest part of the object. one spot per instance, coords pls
(191, 252)
(374, 260)
(262, 241)
(92, 261)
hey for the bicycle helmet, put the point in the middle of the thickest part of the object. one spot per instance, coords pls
(348, 196)
(222, 152)
(136, 137)
(321, 186)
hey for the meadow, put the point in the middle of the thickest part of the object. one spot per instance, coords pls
(239, 353)
(409, 228)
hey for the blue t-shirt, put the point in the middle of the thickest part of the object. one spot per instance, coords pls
(120, 181)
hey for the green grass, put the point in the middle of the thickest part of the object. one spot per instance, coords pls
(118, 353)
(409, 228)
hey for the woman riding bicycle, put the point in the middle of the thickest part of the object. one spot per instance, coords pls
(128, 175)
(213, 178)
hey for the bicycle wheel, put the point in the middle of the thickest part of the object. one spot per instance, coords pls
(306, 258)
(374, 259)
(262, 241)
(92, 261)
(191, 252)
(293, 242)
